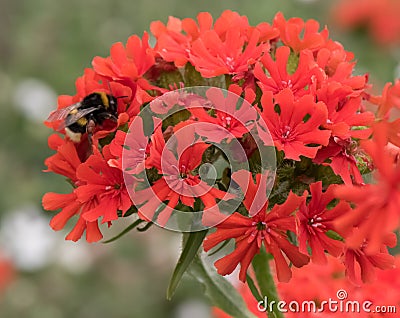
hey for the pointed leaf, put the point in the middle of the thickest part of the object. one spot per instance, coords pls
(221, 293)
(266, 282)
(253, 288)
(191, 245)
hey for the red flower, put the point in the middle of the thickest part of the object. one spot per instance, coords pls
(344, 111)
(179, 182)
(267, 32)
(376, 211)
(231, 20)
(174, 46)
(250, 232)
(212, 55)
(66, 160)
(156, 147)
(131, 148)
(336, 65)
(315, 219)
(294, 124)
(340, 154)
(367, 261)
(279, 78)
(389, 99)
(70, 206)
(228, 122)
(104, 183)
(291, 30)
(100, 191)
(127, 65)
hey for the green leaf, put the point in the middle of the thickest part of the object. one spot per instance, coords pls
(192, 242)
(221, 293)
(266, 282)
(253, 288)
(129, 228)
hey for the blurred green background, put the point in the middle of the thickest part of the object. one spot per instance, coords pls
(44, 47)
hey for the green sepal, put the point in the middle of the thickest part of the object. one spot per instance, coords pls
(293, 62)
(333, 235)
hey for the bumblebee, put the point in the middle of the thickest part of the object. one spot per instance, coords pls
(83, 116)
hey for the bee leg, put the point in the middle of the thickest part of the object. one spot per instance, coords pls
(91, 125)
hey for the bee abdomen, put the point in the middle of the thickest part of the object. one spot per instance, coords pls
(74, 136)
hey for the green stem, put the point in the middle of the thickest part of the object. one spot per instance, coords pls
(266, 283)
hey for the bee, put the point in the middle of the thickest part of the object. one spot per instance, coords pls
(82, 117)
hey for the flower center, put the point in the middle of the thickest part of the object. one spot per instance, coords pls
(183, 172)
(285, 132)
(259, 231)
(226, 121)
(115, 187)
(287, 84)
(260, 226)
(230, 62)
(315, 223)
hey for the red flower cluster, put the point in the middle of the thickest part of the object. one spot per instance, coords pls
(288, 85)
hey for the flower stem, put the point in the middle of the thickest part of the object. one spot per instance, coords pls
(266, 284)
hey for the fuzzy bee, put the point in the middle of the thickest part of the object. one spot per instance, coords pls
(82, 117)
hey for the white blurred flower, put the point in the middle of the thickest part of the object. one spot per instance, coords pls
(27, 238)
(34, 98)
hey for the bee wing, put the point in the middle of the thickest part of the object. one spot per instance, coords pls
(61, 113)
(73, 118)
